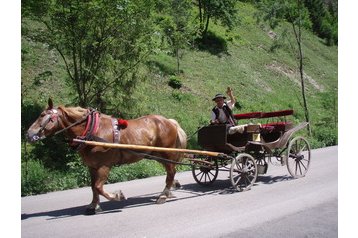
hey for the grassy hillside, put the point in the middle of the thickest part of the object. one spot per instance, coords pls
(262, 80)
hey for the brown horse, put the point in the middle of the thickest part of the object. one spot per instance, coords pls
(151, 130)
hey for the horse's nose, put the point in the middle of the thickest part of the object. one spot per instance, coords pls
(31, 136)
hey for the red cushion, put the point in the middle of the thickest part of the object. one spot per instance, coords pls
(277, 126)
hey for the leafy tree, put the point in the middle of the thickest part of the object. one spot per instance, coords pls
(176, 25)
(294, 12)
(324, 17)
(101, 42)
(219, 10)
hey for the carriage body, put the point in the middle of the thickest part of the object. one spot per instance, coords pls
(258, 146)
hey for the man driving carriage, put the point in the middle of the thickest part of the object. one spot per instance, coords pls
(222, 112)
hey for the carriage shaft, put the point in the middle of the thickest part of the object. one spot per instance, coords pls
(150, 148)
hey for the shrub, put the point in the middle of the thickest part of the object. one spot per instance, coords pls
(174, 82)
(34, 178)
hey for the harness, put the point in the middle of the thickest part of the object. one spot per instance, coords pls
(228, 113)
(92, 119)
(91, 128)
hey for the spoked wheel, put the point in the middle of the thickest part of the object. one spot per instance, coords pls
(243, 172)
(298, 157)
(206, 173)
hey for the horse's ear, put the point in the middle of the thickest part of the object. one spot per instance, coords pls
(50, 104)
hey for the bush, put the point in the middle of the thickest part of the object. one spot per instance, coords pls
(326, 135)
(80, 171)
(141, 169)
(34, 178)
(174, 82)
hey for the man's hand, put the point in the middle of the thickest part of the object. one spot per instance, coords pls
(216, 121)
(229, 91)
(230, 94)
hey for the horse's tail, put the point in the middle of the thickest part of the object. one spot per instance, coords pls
(181, 136)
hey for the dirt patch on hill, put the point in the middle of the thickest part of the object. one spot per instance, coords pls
(293, 75)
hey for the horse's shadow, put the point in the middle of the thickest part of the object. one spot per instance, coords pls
(192, 190)
(107, 207)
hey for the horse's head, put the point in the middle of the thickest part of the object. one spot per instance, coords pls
(47, 124)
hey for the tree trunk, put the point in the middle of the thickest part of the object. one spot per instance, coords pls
(200, 14)
(206, 25)
(178, 60)
(298, 37)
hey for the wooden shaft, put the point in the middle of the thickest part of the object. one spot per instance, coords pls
(149, 148)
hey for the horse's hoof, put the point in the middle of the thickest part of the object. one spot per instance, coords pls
(93, 211)
(176, 184)
(119, 196)
(162, 199)
(170, 195)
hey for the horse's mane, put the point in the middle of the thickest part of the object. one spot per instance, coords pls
(73, 112)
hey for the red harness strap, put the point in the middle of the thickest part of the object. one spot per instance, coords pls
(92, 126)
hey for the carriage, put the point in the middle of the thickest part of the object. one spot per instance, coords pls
(104, 141)
(250, 153)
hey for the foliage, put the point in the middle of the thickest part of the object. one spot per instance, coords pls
(176, 25)
(36, 179)
(101, 43)
(141, 169)
(77, 167)
(174, 82)
(224, 11)
(324, 17)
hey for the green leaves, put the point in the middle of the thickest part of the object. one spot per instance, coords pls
(101, 42)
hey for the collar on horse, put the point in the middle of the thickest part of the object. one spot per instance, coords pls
(91, 128)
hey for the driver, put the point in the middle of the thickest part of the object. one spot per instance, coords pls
(222, 112)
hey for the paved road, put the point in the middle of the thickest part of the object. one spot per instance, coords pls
(277, 206)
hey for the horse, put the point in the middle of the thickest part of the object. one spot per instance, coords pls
(78, 122)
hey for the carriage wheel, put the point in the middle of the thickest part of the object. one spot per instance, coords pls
(205, 174)
(298, 157)
(243, 172)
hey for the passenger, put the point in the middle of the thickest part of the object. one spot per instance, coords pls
(222, 112)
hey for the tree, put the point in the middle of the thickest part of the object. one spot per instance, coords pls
(294, 12)
(101, 43)
(176, 25)
(324, 17)
(220, 10)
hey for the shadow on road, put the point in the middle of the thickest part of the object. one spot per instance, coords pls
(192, 190)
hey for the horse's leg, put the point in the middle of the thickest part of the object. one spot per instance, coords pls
(170, 168)
(98, 178)
(93, 207)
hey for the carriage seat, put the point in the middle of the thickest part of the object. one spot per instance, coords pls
(272, 131)
(281, 126)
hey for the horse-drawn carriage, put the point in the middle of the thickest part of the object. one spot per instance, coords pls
(103, 141)
(250, 152)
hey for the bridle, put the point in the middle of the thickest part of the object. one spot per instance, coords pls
(54, 116)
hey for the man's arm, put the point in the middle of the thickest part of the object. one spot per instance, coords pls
(230, 94)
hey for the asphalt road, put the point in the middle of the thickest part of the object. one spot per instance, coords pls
(277, 206)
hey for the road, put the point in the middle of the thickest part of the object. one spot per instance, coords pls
(277, 206)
